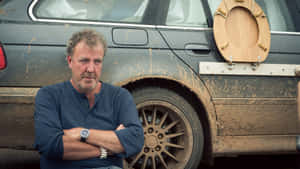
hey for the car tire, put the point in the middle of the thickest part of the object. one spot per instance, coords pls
(174, 139)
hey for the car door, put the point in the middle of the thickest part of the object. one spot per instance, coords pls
(187, 32)
(252, 103)
(247, 103)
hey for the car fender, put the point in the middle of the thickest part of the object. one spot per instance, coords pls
(122, 70)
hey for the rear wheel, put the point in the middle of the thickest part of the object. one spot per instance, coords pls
(172, 130)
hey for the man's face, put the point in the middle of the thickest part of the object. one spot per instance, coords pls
(86, 66)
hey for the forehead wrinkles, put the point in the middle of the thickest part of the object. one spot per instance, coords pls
(85, 49)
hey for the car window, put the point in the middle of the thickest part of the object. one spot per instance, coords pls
(94, 10)
(282, 14)
(279, 16)
(186, 13)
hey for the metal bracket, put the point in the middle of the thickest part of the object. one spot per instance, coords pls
(230, 64)
(255, 65)
(245, 69)
(221, 12)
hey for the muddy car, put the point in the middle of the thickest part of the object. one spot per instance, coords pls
(198, 95)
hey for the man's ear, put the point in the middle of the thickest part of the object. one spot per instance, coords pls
(69, 59)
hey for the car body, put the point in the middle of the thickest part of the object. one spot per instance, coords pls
(163, 51)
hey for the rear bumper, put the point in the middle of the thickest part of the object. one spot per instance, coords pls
(17, 117)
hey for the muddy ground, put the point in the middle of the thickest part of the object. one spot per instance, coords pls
(10, 160)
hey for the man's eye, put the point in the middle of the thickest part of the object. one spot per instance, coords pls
(83, 61)
(98, 61)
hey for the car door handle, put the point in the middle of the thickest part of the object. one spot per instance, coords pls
(197, 49)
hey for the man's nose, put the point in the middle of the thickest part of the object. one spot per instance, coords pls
(90, 67)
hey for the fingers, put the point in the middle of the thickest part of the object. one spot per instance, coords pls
(120, 127)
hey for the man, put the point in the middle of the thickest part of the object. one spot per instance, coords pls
(86, 123)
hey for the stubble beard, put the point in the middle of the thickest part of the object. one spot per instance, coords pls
(82, 83)
(87, 89)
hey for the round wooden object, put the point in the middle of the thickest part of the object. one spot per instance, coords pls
(242, 31)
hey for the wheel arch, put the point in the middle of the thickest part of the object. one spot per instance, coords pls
(193, 93)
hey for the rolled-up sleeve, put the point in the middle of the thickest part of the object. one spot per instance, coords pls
(132, 137)
(48, 130)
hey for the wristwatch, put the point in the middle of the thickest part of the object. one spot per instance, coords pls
(84, 134)
(103, 154)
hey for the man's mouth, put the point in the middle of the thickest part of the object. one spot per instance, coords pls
(88, 76)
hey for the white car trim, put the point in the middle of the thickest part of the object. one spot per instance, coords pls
(217, 68)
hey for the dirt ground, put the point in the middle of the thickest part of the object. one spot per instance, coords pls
(9, 159)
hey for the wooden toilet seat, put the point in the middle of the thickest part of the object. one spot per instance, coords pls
(241, 31)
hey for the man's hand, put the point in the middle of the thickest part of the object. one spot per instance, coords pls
(120, 127)
(73, 133)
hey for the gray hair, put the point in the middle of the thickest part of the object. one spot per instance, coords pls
(90, 37)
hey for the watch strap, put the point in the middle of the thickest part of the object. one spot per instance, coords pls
(82, 139)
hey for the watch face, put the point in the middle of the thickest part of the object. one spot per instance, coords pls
(84, 133)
